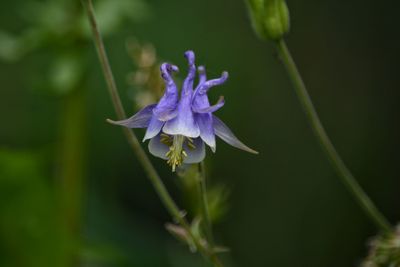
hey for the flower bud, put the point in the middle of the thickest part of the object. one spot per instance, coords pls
(270, 18)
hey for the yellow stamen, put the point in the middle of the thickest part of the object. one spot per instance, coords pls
(176, 154)
(166, 139)
(190, 144)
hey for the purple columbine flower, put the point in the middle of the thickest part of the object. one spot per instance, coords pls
(179, 127)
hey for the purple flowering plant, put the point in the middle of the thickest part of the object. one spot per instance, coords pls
(179, 127)
(182, 123)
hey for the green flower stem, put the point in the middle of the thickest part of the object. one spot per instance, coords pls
(151, 172)
(202, 186)
(344, 173)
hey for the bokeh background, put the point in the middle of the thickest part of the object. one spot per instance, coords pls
(73, 194)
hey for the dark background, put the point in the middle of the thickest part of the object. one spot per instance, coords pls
(287, 207)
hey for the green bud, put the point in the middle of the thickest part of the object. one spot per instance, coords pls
(270, 18)
(256, 11)
(276, 18)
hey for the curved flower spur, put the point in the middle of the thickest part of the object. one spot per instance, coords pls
(178, 128)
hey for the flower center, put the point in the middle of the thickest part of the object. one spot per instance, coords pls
(176, 154)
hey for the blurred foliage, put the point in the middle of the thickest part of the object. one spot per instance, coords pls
(146, 83)
(30, 220)
(217, 195)
(384, 250)
(286, 207)
(61, 25)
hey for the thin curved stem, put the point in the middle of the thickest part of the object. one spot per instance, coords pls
(151, 172)
(344, 173)
(202, 188)
(131, 137)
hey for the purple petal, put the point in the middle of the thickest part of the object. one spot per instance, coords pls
(140, 120)
(223, 132)
(166, 107)
(184, 123)
(188, 83)
(209, 109)
(202, 75)
(157, 148)
(165, 112)
(153, 129)
(195, 155)
(200, 102)
(205, 123)
(203, 89)
(167, 69)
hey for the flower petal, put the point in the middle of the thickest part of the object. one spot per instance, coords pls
(202, 75)
(197, 154)
(140, 120)
(166, 107)
(165, 112)
(184, 123)
(200, 102)
(205, 123)
(188, 83)
(153, 129)
(223, 132)
(157, 148)
(209, 109)
(203, 89)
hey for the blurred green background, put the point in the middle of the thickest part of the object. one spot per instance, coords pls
(73, 194)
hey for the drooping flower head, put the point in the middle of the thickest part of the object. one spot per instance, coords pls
(177, 126)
